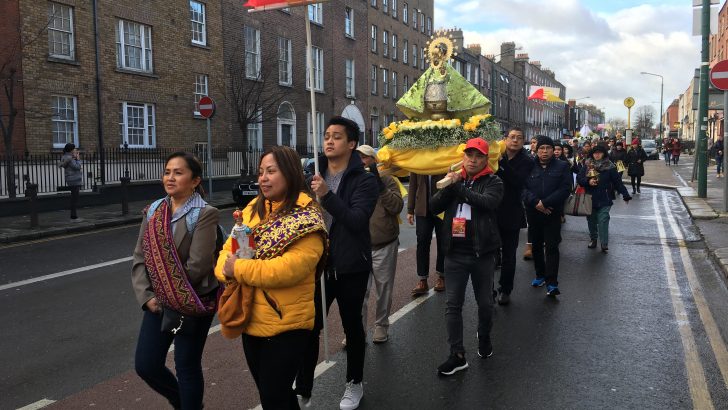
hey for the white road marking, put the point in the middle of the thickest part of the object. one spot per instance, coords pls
(682, 181)
(64, 273)
(709, 324)
(37, 405)
(693, 366)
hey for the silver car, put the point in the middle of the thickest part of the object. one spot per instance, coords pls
(650, 148)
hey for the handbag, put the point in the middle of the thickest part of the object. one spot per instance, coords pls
(579, 203)
(178, 323)
(235, 308)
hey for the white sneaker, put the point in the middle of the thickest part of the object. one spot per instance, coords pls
(352, 396)
(303, 402)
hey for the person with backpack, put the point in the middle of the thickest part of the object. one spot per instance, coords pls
(290, 242)
(174, 283)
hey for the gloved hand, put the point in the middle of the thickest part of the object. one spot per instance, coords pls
(374, 171)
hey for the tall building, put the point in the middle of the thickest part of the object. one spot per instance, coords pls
(135, 83)
(397, 33)
(505, 89)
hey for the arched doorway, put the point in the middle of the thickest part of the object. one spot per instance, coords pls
(374, 125)
(352, 112)
(286, 125)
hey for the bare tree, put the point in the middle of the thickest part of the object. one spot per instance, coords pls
(644, 119)
(253, 97)
(617, 125)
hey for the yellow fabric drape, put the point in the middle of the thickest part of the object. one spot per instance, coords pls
(433, 161)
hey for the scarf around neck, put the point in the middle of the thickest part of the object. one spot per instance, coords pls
(603, 164)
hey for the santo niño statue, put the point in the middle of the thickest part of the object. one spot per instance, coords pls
(441, 92)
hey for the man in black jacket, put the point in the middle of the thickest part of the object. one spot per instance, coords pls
(513, 168)
(470, 242)
(348, 195)
(547, 187)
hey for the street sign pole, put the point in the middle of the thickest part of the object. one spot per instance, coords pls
(701, 137)
(209, 159)
(725, 157)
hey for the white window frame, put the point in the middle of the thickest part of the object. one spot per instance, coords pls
(318, 69)
(309, 127)
(255, 130)
(286, 121)
(405, 13)
(198, 21)
(285, 65)
(468, 71)
(394, 9)
(394, 85)
(122, 47)
(405, 51)
(59, 34)
(385, 43)
(422, 58)
(350, 78)
(385, 82)
(201, 90)
(252, 53)
(394, 46)
(414, 18)
(374, 3)
(316, 13)
(385, 6)
(429, 26)
(373, 80)
(349, 22)
(149, 119)
(374, 39)
(57, 119)
(405, 84)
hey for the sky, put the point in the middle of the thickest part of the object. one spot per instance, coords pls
(597, 48)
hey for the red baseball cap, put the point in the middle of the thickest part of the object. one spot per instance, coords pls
(479, 144)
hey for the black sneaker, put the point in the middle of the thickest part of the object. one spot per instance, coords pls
(592, 244)
(485, 349)
(453, 365)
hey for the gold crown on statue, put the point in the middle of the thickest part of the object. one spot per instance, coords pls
(440, 48)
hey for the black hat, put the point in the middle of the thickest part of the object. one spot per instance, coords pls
(544, 140)
(599, 148)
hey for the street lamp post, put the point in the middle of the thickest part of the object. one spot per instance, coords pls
(662, 88)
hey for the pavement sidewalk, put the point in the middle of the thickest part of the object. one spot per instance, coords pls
(55, 223)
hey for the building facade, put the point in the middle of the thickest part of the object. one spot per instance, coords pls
(397, 33)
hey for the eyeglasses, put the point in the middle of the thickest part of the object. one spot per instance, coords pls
(515, 137)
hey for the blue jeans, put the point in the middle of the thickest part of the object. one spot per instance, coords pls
(719, 165)
(460, 266)
(599, 224)
(186, 390)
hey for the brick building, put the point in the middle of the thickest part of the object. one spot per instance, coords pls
(397, 33)
(505, 89)
(136, 82)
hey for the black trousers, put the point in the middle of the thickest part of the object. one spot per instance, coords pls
(75, 192)
(424, 225)
(273, 362)
(637, 179)
(509, 246)
(545, 233)
(348, 290)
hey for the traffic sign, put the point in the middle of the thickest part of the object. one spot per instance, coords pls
(719, 75)
(206, 107)
(629, 102)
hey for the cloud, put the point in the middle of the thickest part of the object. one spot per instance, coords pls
(593, 53)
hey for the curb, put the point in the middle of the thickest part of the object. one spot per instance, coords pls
(83, 227)
(720, 257)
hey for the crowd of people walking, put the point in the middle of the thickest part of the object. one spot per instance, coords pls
(336, 233)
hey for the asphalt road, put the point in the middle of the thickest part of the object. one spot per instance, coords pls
(641, 327)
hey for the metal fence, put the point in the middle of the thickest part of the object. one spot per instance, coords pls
(139, 164)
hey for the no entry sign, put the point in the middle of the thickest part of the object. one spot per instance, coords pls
(719, 75)
(206, 107)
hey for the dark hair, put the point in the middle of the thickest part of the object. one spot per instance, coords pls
(508, 131)
(289, 164)
(193, 164)
(352, 129)
(69, 147)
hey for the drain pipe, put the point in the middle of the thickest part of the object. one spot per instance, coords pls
(99, 124)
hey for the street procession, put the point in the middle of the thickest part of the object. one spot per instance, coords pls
(374, 204)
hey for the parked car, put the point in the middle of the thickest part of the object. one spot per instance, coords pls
(245, 189)
(650, 147)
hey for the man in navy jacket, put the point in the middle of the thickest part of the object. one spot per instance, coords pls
(547, 187)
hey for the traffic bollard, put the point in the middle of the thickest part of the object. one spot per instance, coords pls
(31, 191)
(125, 195)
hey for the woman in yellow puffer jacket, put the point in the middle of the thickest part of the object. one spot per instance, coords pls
(290, 243)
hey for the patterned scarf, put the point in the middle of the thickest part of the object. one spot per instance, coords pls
(274, 235)
(169, 280)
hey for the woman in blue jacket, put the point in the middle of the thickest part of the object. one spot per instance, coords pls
(599, 188)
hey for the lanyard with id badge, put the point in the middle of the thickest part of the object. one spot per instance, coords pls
(460, 220)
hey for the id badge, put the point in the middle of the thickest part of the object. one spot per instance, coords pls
(458, 227)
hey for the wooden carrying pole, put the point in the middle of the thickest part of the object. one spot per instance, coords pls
(447, 180)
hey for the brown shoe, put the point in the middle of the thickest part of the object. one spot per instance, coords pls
(528, 253)
(439, 284)
(421, 288)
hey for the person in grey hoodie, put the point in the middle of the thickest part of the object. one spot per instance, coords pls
(71, 163)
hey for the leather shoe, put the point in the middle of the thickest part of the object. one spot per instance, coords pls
(421, 288)
(528, 253)
(504, 298)
(592, 244)
(439, 284)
